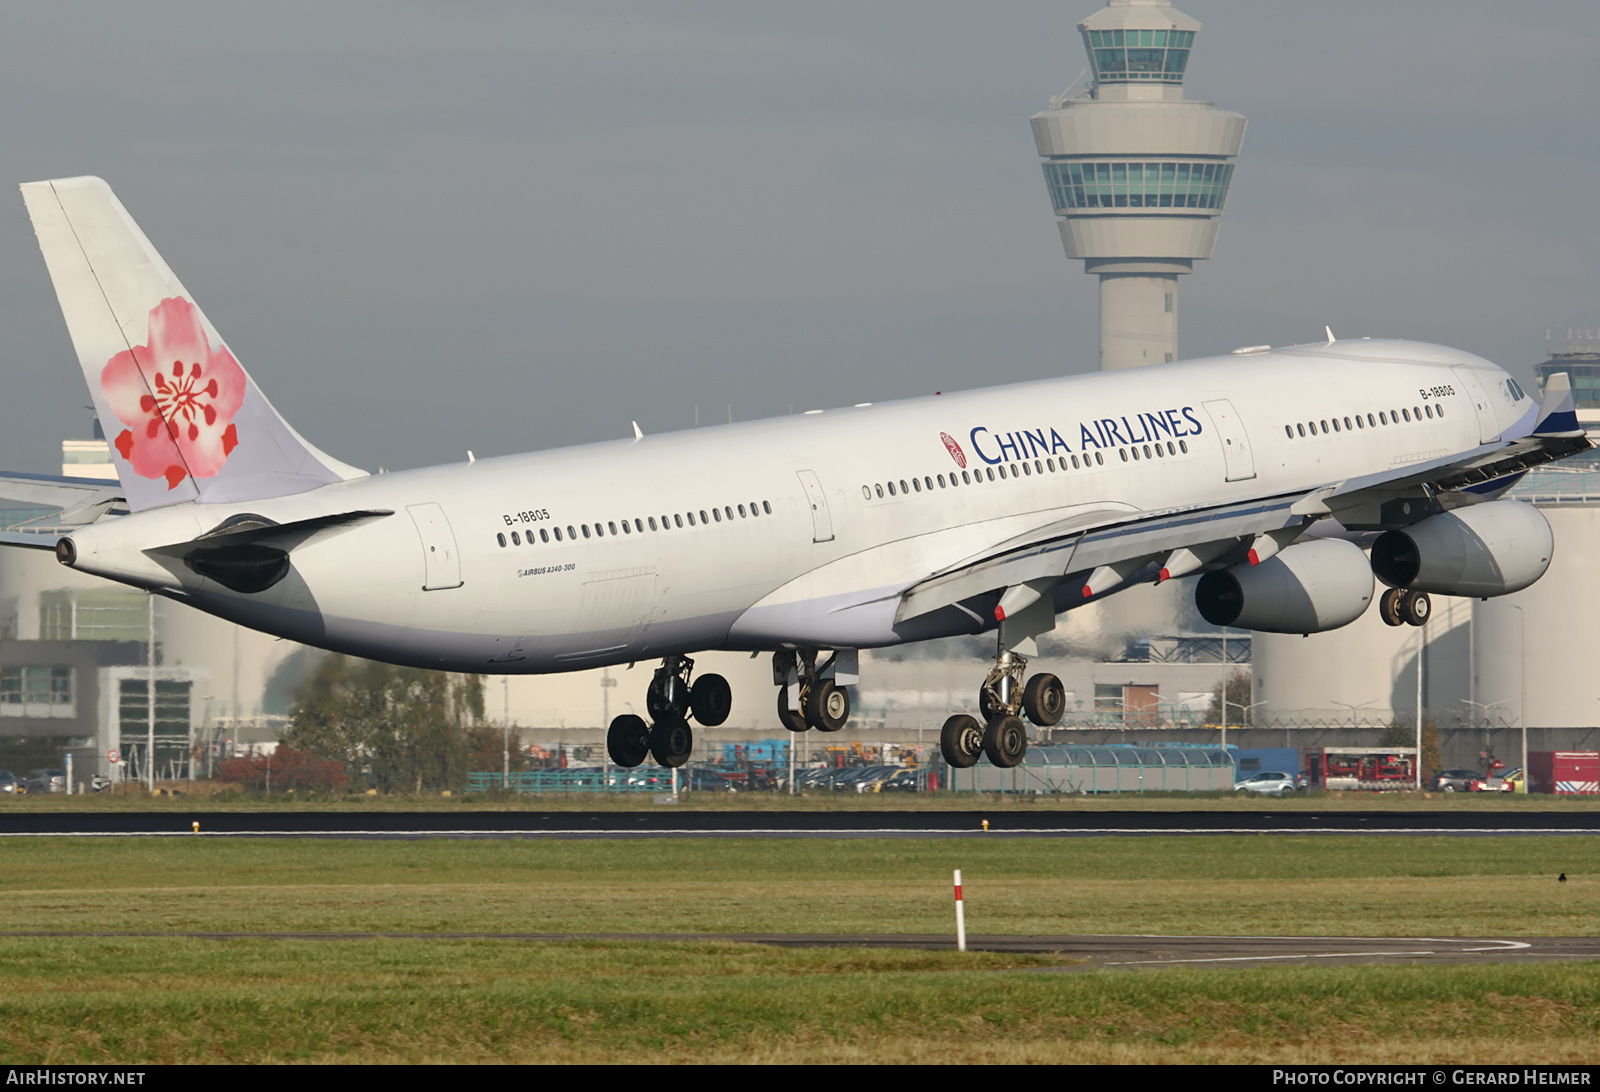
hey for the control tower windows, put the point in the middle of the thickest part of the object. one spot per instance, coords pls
(1124, 56)
(1146, 185)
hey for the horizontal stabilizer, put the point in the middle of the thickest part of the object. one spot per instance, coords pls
(250, 530)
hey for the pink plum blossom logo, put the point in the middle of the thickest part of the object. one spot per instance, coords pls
(177, 395)
(954, 449)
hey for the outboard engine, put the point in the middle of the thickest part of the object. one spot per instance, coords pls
(1305, 588)
(1493, 548)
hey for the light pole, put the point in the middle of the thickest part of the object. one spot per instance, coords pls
(1485, 707)
(1522, 646)
(1244, 711)
(505, 725)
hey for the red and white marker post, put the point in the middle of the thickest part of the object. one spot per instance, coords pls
(961, 917)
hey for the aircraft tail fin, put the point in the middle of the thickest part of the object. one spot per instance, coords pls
(1558, 412)
(186, 422)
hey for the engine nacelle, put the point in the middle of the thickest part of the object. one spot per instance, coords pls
(1493, 548)
(1306, 588)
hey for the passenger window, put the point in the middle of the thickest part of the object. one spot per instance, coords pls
(1098, 460)
(1359, 422)
(516, 540)
(1171, 448)
(892, 493)
(879, 488)
(1429, 411)
(965, 480)
(1325, 428)
(599, 531)
(558, 534)
(1074, 462)
(638, 525)
(766, 507)
(691, 519)
(1417, 412)
(1289, 432)
(941, 481)
(1347, 424)
(1336, 424)
(903, 489)
(916, 483)
(678, 520)
(572, 533)
(1159, 452)
(1146, 451)
(727, 510)
(585, 527)
(716, 514)
(927, 481)
(703, 519)
(1383, 418)
(652, 523)
(1123, 452)
(544, 536)
(989, 472)
(502, 539)
(1183, 446)
(1406, 414)
(754, 511)
(1038, 466)
(1027, 470)
(1438, 410)
(612, 527)
(741, 507)
(627, 530)
(1373, 421)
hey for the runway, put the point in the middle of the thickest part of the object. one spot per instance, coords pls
(1085, 952)
(670, 822)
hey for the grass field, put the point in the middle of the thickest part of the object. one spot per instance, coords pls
(173, 999)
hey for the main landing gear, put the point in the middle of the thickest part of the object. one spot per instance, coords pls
(671, 700)
(1003, 700)
(810, 696)
(1403, 607)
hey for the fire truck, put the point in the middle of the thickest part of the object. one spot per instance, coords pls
(1368, 769)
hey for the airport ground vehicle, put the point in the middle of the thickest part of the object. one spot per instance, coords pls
(1365, 769)
(8, 781)
(1262, 472)
(1269, 783)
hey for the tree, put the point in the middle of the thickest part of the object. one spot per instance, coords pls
(403, 728)
(285, 769)
(1237, 684)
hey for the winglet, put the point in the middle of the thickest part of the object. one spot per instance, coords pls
(1558, 413)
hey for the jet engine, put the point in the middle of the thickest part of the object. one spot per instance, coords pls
(1493, 548)
(1306, 588)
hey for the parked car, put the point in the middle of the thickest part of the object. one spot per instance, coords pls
(44, 781)
(1268, 783)
(8, 781)
(1456, 781)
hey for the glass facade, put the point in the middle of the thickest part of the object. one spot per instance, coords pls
(1585, 373)
(1124, 56)
(36, 686)
(1165, 184)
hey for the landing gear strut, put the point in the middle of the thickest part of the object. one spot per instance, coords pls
(810, 696)
(671, 700)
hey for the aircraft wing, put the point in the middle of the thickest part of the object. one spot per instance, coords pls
(1103, 551)
(68, 502)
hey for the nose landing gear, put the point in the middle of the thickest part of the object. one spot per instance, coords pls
(670, 700)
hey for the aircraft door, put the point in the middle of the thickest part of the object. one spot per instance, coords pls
(821, 520)
(1236, 456)
(1488, 427)
(441, 559)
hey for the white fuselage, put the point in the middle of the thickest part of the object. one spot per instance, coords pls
(820, 567)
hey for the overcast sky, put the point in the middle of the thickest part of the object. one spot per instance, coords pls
(506, 226)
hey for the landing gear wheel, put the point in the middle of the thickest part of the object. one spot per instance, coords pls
(961, 741)
(1416, 608)
(628, 740)
(787, 717)
(1005, 741)
(1389, 607)
(711, 698)
(667, 697)
(827, 706)
(1044, 700)
(671, 741)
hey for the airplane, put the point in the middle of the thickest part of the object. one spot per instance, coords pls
(1284, 479)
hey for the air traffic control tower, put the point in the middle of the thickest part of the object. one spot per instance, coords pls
(1138, 174)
